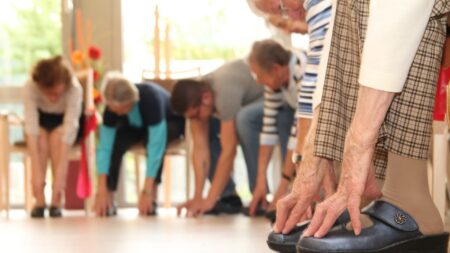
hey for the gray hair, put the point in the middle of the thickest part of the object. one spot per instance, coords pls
(267, 53)
(117, 89)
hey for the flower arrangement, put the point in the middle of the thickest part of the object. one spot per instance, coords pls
(90, 59)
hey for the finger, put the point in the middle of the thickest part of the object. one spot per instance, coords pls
(316, 222)
(253, 205)
(353, 209)
(180, 209)
(330, 218)
(294, 217)
(284, 207)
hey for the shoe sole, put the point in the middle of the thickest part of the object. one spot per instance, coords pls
(426, 244)
(282, 248)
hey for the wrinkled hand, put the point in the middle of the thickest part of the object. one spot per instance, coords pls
(102, 202)
(295, 207)
(259, 198)
(357, 179)
(145, 204)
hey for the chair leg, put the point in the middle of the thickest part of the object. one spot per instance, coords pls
(137, 174)
(7, 184)
(27, 183)
(167, 182)
(188, 176)
(1, 185)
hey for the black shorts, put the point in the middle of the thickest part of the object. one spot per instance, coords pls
(51, 121)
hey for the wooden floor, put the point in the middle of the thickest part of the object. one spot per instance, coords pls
(129, 233)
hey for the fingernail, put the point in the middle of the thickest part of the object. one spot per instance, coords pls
(306, 233)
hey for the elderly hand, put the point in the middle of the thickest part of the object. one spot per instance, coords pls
(295, 207)
(357, 179)
(358, 174)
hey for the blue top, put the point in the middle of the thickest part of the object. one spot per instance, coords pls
(151, 113)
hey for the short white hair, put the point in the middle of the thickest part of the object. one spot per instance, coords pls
(117, 89)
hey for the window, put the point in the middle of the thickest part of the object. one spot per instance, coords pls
(203, 33)
(29, 30)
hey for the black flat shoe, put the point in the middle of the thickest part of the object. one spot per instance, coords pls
(286, 243)
(153, 213)
(227, 205)
(112, 211)
(54, 212)
(271, 216)
(260, 212)
(393, 231)
(37, 212)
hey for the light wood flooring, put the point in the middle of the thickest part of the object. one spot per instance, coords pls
(128, 233)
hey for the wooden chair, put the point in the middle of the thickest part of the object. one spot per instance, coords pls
(8, 119)
(177, 148)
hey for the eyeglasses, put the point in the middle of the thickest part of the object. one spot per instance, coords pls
(284, 10)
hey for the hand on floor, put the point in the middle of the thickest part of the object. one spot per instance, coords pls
(145, 204)
(194, 207)
(259, 199)
(102, 203)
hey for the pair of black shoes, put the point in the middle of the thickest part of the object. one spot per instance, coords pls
(112, 211)
(227, 205)
(39, 212)
(393, 231)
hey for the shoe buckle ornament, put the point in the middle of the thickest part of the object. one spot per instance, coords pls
(399, 218)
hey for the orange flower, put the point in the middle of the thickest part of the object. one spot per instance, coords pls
(97, 97)
(77, 57)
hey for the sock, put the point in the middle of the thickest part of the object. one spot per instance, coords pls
(406, 187)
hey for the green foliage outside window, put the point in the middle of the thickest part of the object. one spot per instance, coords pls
(31, 32)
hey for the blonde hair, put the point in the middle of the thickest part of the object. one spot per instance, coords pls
(117, 89)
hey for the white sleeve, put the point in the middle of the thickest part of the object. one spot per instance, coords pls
(72, 113)
(30, 110)
(394, 32)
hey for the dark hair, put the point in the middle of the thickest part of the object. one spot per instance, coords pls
(267, 53)
(48, 72)
(187, 93)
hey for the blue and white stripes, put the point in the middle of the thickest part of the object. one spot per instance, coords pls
(318, 17)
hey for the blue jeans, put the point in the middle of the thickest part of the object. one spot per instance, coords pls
(249, 124)
(215, 148)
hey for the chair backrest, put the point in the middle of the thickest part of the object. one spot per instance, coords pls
(168, 79)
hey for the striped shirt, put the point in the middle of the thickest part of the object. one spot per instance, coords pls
(318, 17)
(275, 100)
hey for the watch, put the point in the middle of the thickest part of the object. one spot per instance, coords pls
(296, 158)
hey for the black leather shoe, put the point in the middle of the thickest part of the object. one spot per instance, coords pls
(54, 212)
(393, 231)
(260, 212)
(271, 216)
(286, 243)
(227, 205)
(112, 211)
(37, 212)
(153, 213)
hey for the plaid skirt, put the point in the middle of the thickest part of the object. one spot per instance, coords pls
(406, 130)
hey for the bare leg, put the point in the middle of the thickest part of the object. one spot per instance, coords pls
(59, 153)
(38, 148)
